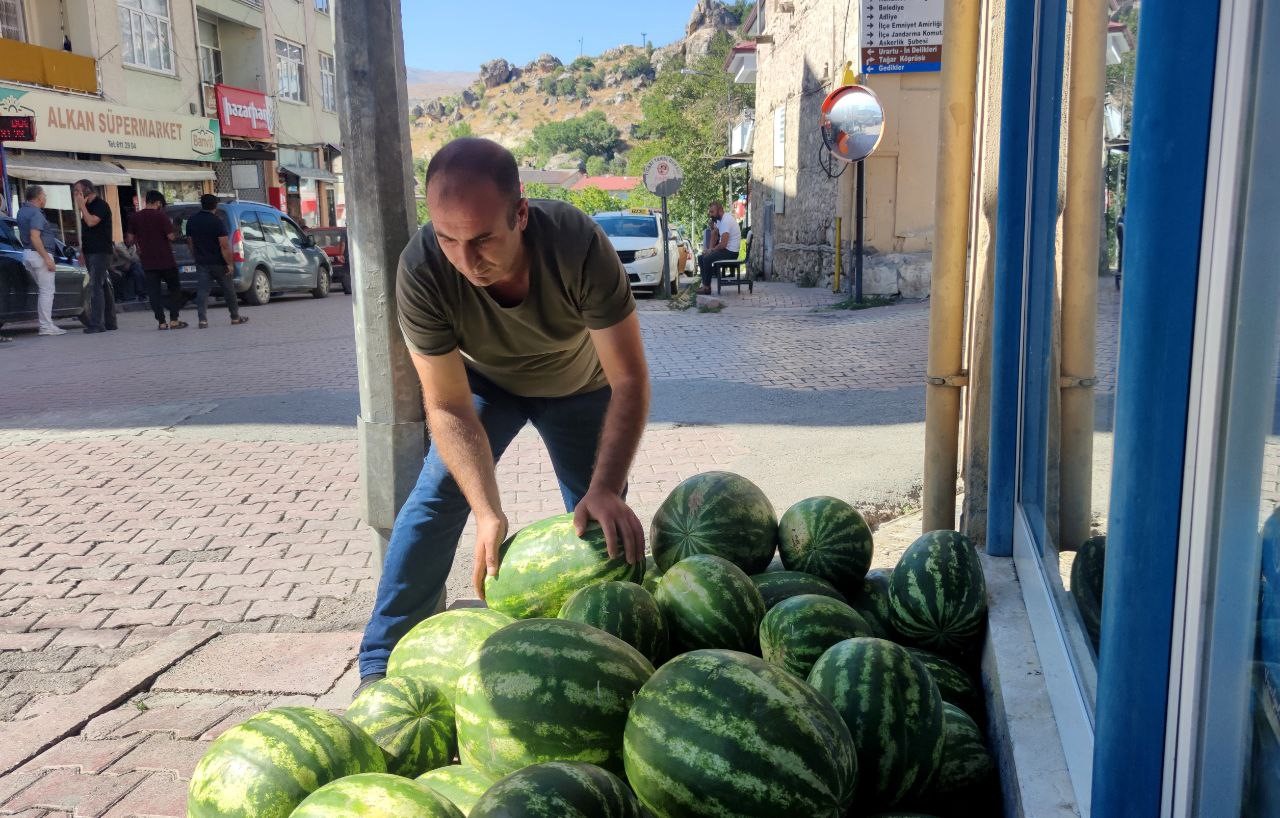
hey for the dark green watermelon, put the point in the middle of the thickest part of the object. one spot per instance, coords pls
(412, 721)
(623, 609)
(558, 789)
(965, 760)
(871, 599)
(652, 576)
(954, 683)
(894, 712)
(715, 513)
(826, 537)
(709, 602)
(937, 594)
(718, 733)
(800, 629)
(775, 586)
(1087, 571)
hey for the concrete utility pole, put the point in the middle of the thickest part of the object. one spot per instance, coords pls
(381, 217)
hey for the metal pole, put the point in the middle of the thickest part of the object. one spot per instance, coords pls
(859, 204)
(945, 377)
(381, 215)
(1081, 228)
(665, 287)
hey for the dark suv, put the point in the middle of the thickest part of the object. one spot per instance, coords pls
(272, 254)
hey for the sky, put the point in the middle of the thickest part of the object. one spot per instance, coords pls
(459, 36)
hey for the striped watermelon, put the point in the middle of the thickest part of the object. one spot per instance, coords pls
(558, 789)
(871, 599)
(709, 602)
(775, 586)
(623, 609)
(965, 760)
(411, 720)
(894, 712)
(461, 784)
(715, 513)
(652, 576)
(376, 794)
(264, 767)
(800, 629)
(954, 682)
(1087, 570)
(545, 562)
(937, 595)
(437, 648)
(721, 733)
(547, 690)
(826, 537)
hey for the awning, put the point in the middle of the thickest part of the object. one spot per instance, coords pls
(64, 170)
(165, 171)
(733, 160)
(319, 174)
(252, 154)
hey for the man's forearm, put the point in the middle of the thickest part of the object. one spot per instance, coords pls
(464, 447)
(38, 243)
(624, 423)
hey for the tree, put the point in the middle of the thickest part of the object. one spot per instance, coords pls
(637, 66)
(596, 166)
(593, 200)
(591, 134)
(541, 190)
(582, 64)
(458, 130)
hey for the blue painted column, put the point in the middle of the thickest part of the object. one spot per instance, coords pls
(1171, 120)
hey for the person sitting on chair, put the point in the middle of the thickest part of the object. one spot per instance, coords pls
(726, 240)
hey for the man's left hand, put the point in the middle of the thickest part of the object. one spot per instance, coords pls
(620, 524)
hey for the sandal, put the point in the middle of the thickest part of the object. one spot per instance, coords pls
(240, 320)
(204, 325)
(163, 326)
(178, 325)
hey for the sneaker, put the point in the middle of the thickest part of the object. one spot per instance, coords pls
(53, 331)
(365, 681)
(91, 330)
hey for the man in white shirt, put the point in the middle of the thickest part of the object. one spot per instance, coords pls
(726, 238)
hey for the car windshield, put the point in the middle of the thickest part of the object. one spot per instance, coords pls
(9, 235)
(629, 227)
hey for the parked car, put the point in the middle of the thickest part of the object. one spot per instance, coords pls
(333, 241)
(272, 253)
(635, 235)
(18, 292)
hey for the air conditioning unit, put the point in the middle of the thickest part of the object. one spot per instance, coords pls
(210, 97)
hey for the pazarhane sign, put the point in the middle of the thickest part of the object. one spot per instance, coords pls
(77, 124)
(244, 113)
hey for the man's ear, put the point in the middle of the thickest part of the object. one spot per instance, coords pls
(522, 214)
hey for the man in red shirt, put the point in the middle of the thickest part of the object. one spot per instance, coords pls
(151, 231)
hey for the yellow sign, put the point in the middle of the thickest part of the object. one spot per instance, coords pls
(88, 125)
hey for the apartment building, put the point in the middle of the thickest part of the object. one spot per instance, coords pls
(234, 97)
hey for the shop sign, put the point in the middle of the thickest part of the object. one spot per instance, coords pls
(244, 113)
(77, 124)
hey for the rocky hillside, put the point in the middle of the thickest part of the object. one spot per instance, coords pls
(425, 86)
(507, 102)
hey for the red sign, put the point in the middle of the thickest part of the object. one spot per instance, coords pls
(17, 129)
(244, 113)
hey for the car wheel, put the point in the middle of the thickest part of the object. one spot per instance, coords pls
(259, 291)
(322, 283)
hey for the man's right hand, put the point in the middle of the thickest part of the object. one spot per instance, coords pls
(491, 531)
(49, 263)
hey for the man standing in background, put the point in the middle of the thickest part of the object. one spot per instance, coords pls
(95, 245)
(151, 231)
(211, 247)
(39, 238)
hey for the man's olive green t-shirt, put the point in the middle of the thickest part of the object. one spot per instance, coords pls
(539, 348)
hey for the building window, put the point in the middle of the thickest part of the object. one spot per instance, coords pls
(322, 6)
(145, 34)
(291, 70)
(328, 83)
(210, 52)
(11, 27)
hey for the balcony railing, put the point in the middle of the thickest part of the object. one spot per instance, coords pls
(50, 67)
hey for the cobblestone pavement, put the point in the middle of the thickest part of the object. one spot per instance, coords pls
(159, 485)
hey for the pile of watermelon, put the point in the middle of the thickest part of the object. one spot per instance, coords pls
(753, 666)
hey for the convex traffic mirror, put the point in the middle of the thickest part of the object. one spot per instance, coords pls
(852, 122)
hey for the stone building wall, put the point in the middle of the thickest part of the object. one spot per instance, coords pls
(803, 63)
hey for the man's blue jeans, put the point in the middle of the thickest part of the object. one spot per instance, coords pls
(427, 529)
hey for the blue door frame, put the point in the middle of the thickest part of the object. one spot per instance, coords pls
(1171, 124)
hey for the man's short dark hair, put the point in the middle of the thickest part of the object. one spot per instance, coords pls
(154, 196)
(209, 202)
(33, 192)
(464, 161)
